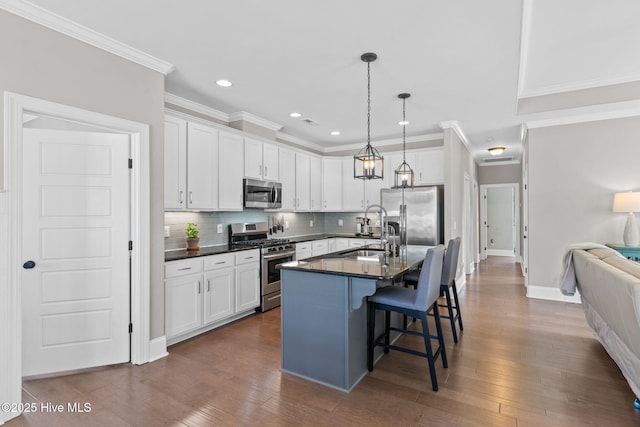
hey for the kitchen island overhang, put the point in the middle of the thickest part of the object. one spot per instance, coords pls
(323, 311)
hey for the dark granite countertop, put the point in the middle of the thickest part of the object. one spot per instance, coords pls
(174, 255)
(358, 263)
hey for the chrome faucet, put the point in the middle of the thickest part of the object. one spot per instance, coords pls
(384, 226)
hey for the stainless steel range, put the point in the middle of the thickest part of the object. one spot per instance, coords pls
(272, 253)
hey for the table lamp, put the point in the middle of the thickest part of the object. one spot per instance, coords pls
(628, 202)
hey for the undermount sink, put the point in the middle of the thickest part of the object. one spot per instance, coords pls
(365, 254)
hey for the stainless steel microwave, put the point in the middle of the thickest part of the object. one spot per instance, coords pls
(262, 194)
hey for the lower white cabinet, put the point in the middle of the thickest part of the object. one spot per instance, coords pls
(319, 247)
(303, 250)
(206, 292)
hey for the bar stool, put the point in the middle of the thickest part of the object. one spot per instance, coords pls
(412, 302)
(448, 280)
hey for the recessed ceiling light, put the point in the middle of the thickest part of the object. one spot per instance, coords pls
(224, 83)
(335, 133)
(295, 115)
(403, 122)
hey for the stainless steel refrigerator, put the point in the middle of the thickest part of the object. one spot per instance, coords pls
(416, 215)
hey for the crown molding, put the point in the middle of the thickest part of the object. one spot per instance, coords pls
(251, 118)
(299, 141)
(72, 29)
(455, 125)
(194, 106)
(583, 115)
(387, 142)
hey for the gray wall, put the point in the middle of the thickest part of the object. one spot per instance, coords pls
(44, 64)
(574, 171)
(500, 174)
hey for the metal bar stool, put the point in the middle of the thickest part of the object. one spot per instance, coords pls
(448, 280)
(412, 302)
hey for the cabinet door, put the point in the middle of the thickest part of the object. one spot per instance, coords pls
(429, 167)
(219, 294)
(270, 162)
(247, 286)
(252, 158)
(175, 163)
(342, 243)
(183, 304)
(372, 191)
(332, 183)
(319, 247)
(202, 167)
(287, 173)
(302, 182)
(230, 171)
(315, 183)
(352, 189)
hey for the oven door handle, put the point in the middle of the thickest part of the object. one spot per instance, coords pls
(279, 255)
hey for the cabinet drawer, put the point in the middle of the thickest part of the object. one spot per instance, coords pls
(305, 246)
(245, 257)
(182, 267)
(319, 244)
(219, 261)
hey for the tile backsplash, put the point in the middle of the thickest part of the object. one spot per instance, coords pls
(299, 224)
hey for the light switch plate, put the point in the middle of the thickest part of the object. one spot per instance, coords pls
(286, 225)
(219, 228)
(167, 231)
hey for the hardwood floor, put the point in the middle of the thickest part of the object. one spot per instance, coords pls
(519, 362)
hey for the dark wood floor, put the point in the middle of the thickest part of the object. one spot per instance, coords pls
(520, 362)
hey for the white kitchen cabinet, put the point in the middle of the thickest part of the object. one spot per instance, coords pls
(429, 167)
(287, 166)
(315, 183)
(260, 160)
(202, 167)
(206, 292)
(191, 165)
(372, 189)
(302, 182)
(231, 154)
(303, 250)
(342, 243)
(219, 301)
(319, 247)
(352, 189)
(356, 243)
(332, 183)
(175, 163)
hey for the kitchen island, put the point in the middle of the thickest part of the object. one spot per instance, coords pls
(324, 311)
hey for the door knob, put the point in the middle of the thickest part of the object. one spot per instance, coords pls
(28, 265)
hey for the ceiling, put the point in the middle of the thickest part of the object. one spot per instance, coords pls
(485, 65)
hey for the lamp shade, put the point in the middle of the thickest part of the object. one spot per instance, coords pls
(626, 202)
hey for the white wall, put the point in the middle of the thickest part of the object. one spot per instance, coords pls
(574, 170)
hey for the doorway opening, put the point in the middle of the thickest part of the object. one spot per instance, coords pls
(500, 220)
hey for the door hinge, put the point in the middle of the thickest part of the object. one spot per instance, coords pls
(130, 327)
(130, 163)
(130, 245)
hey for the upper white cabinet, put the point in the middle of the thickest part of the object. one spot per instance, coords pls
(202, 167)
(332, 183)
(231, 154)
(175, 163)
(287, 167)
(352, 189)
(429, 167)
(260, 160)
(302, 182)
(315, 183)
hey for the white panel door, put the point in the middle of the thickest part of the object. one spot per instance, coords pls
(302, 182)
(287, 173)
(175, 163)
(75, 231)
(202, 167)
(230, 171)
(315, 183)
(219, 297)
(247, 286)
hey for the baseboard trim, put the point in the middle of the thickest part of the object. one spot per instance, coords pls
(158, 348)
(499, 252)
(552, 294)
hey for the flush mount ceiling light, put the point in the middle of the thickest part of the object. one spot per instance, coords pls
(494, 151)
(224, 83)
(295, 115)
(335, 133)
(404, 174)
(368, 162)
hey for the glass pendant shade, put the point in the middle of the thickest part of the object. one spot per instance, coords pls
(368, 163)
(404, 176)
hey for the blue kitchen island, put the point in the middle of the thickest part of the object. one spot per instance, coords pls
(324, 311)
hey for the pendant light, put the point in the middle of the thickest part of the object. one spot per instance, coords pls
(404, 174)
(368, 163)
